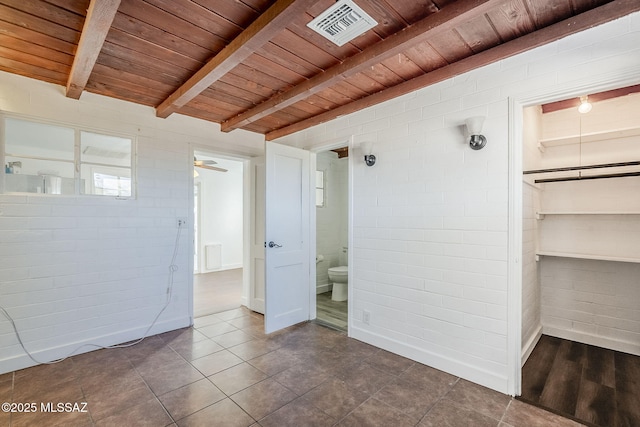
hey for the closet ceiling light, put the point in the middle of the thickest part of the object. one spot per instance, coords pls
(585, 105)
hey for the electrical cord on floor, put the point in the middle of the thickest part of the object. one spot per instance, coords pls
(172, 269)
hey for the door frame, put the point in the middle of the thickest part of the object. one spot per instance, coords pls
(246, 211)
(516, 134)
(315, 149)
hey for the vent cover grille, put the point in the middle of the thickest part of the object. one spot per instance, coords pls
(342, 22)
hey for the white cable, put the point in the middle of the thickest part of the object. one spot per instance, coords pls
(172, 269)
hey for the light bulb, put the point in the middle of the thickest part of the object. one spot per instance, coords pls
(585, 105)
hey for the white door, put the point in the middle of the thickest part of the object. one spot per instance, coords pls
(287, 234)
(257, 237)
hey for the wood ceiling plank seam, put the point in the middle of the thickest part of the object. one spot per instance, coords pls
(237, 80)
(34, 64)
(293, 43)
(230, 90)
(298, 114)
(34, 60)
(278, 55)
(413, 10)
(53, 14)
(151, 64)
(348, 89)
(220, 109)
(37, 24)
(511, 20)
(36, 38)
(35, 70)
(160, 37)
(139, 84)
(235, 11)
(365, 83)
(383, 75)
(597, 16)
(452, 47)
(262, 29)
(403, 66)
(449, 17)
(79, 7)
(138, 69)
(146, 12)
(479, 34)
(201, 17)
(257, 5)
(94, 32)
(389, 22)
(546, 14)
(273, 69)
(276, 83)
(224, 104)
(36, 50)
(307, 108)
(334, 97)
(210, 117)
(159, 53)
(426, 57)
(104, 88)
(31, 75)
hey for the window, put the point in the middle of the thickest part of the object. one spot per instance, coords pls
(53, 159)
(320, 189)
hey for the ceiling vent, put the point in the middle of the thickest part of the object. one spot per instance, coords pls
(342, 22)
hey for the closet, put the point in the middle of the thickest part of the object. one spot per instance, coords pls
(581, 237)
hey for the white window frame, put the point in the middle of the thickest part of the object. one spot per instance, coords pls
(77, 156)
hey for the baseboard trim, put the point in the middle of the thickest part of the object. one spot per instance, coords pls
(22, 361)
(321, 289)
(434, 360)
(531, 343)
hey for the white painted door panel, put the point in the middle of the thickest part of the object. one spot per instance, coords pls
(287, 251)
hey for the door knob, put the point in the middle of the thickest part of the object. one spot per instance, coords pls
(273, 244)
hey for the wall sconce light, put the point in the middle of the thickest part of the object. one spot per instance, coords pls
(474, 128)
(195, 173)
(585, 105)
(367, 148)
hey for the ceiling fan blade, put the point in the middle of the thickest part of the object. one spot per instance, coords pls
(213, 168)
(204, 162)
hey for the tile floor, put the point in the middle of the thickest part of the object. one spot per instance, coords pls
(226, 372)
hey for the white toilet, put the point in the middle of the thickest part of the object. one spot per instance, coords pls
(339, 276)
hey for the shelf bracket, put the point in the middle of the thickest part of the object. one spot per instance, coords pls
(541, 147)
(539, 215)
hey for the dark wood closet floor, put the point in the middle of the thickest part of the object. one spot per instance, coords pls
(593, 385)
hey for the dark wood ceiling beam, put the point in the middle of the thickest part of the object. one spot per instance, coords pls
(594, 17)
(449, 17)
(272, 21)
(96, 26)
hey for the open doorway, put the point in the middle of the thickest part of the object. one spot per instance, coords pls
(218, 234)
(581, 213)
(332, 231)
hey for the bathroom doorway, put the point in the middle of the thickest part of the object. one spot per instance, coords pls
(332, 237)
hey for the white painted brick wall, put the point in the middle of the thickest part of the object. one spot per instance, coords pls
(424, 161)
(77, 270)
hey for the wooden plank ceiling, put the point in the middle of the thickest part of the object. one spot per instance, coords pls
(255, 65)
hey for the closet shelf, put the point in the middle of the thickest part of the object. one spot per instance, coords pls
(590, 137)
(586, 256)
(541, 214)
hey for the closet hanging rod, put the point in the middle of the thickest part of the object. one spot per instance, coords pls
(577, 168)
(582, 178)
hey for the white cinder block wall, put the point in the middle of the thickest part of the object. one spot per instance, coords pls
(76, 270)
(430, 219)
(331, 220)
